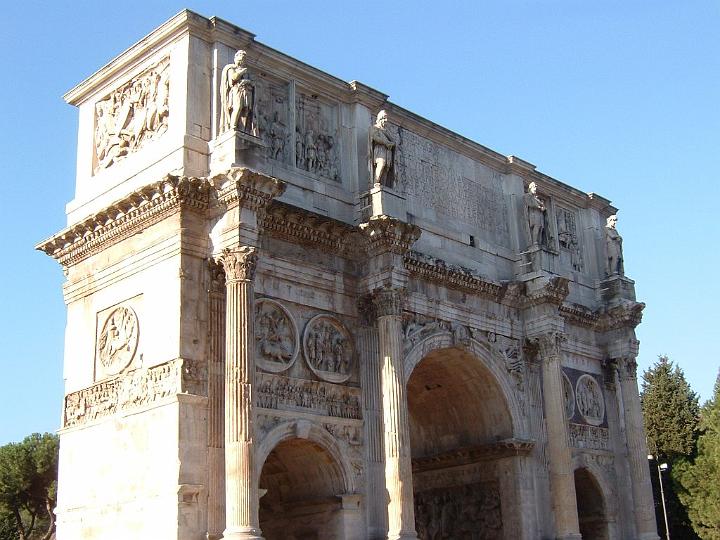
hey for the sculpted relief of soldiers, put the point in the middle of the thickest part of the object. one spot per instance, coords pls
(134, 113)
(382, 152)
(536, 215)
(613, 243)
(237, 97)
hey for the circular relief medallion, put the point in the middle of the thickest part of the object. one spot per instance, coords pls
(590, 400)
(569, 397)
(276, 336)
(328, 349)
(118, 340)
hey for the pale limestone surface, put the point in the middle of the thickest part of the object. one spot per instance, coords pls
(329, 324)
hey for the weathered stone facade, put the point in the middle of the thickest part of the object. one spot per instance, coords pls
(297, 310)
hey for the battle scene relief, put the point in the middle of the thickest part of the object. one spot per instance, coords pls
(133, 114)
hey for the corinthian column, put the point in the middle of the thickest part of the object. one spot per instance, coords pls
(396, 434)
(241, 491)
(562, 479)
(637, 451)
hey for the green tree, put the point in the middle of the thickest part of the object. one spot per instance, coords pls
(671, 414)
(28, 485)
(699, 478)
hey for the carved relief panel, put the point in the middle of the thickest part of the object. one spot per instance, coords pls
(273, 117)
(276, 336)
(133, 114)
(469, 511)
(317, 137)
(117, 338)
(569, 239)
(328, 349)
(589, 398)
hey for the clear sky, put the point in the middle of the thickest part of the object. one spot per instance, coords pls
(617, 97)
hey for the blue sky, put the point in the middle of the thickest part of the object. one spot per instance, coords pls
(616, 97)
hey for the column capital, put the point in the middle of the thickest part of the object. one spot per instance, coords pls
(387, 302)
(549, 345)
(627, 368)
(239, 263)
(386, 234)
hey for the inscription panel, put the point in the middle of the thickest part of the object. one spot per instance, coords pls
(455, 186)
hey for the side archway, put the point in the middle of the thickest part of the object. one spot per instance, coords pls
(592, 503)
(305, 484)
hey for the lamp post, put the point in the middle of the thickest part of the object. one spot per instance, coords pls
(661, 468)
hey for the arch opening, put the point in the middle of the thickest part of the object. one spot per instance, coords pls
(460, 431)
(590, 506)
(301, 488)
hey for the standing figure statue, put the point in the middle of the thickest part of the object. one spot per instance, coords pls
(237, 98)
(535, 215)
(613, 243)
(382, 149)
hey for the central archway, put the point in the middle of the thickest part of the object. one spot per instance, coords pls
(301, 487)
(461, 433)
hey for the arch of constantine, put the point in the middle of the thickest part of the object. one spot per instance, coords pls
(297, 310)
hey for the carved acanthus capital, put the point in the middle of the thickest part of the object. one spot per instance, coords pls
(626, 315)
(240, 186)
(553, 292)
(389, 235)
(388, 302)
(549, 345)
(627, 368)
(239, 263)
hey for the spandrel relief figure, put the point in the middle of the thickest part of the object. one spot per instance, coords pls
(382, 149)
(237, 97)
(277, 137)
(536, 212)
(613, 243)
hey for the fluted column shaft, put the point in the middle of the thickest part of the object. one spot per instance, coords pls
(637, 451)
(216, 405)
(396, 432)
(562, 478)
(372, 413)
(241, 491)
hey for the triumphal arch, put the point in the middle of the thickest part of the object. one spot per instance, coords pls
(296, 310)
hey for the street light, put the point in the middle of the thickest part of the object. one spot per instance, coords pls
(662, 467)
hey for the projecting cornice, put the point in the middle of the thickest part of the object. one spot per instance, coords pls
(626, 315)
(126, 217)
(553, 292)
(454, 277)
(247, 188)
(309, 229)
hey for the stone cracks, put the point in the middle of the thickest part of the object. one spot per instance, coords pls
(126, 217)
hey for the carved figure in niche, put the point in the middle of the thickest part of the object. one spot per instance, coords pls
(118, 340)
(328, 349)
(132, 114)
(536, 212)
(275, 336)
(237, 97)
(613, 242)
(590, 401)
(382, 149)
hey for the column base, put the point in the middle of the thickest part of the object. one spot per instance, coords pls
(246, 533)
(571, 536)
(402, 536)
